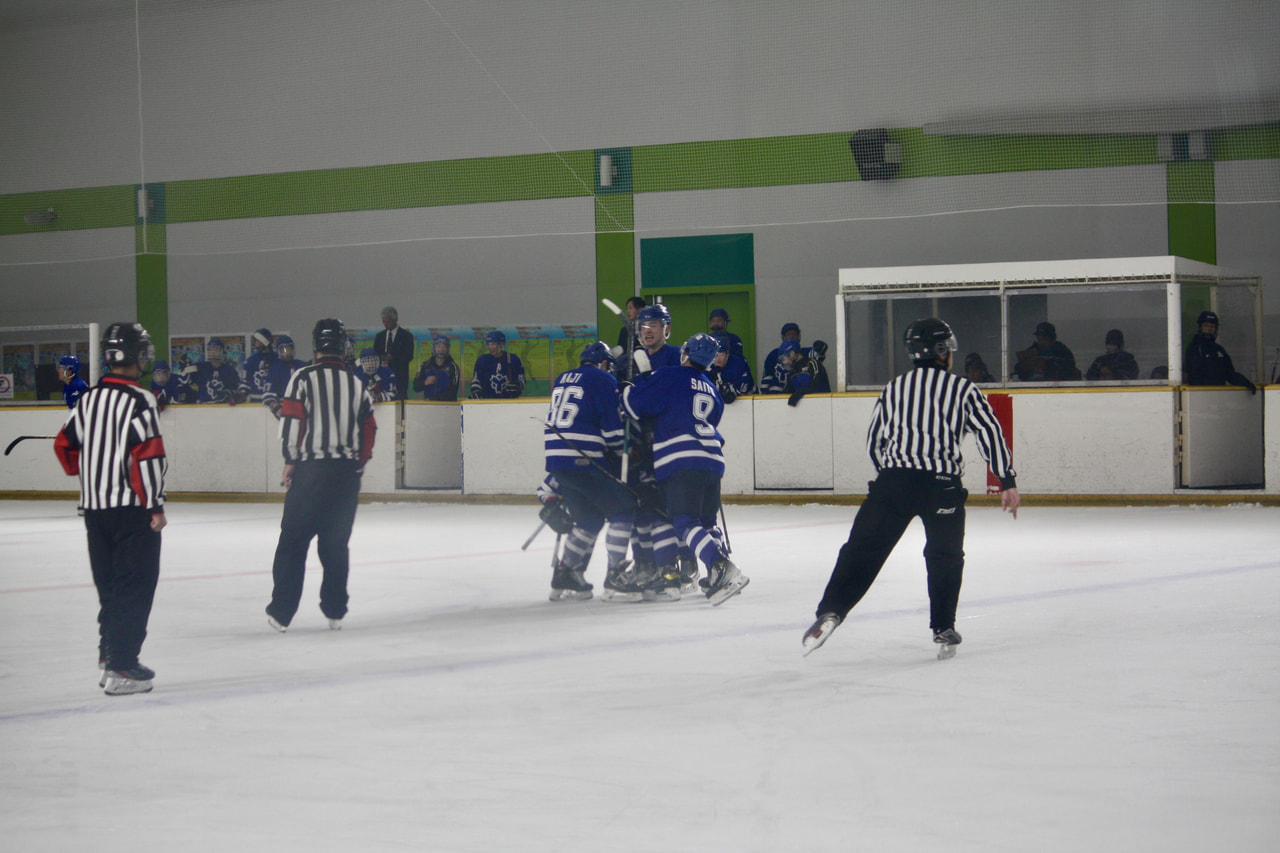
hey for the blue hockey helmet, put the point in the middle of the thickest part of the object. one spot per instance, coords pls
(283, 341)
(654, 313)
(788, 345)
(701, 350)
(722, 340)
(497, 336)
(262, 339)
(70, 362)
(161, 366)
(596, 353)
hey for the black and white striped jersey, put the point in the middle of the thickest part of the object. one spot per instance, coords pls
(112, 440)
(326, 413)
(921, 418)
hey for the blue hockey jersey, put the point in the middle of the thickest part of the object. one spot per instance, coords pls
(497, 378)
(584, 414)
(72, 390)
(381, 383)
(683, 409)
(214, 384)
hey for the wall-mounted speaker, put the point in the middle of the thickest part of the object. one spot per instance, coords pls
(877, 157)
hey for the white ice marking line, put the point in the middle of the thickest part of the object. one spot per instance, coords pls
(176, 697)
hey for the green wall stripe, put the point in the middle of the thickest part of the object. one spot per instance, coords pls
(1254, 143)
(1192, 213)
(152, 288)
(615, 212)
(615, 278)
(78, 209)
(476, 181)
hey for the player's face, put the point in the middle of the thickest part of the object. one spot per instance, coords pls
(721, 359)
(791, 335)
(286, 351)
(161, 376)
(495, 348)
(652, 334)
(65, 374)
(440, 348)
(369, 365)
(214, 354)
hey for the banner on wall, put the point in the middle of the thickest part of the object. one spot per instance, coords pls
(546, 351)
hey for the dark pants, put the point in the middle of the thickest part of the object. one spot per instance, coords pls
(592, 496)
(124, 554)
(692, 500)
(897, 496)
(321, 504)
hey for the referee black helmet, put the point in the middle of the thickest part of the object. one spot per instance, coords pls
(928, 341)
(127, 343)
(329, 336)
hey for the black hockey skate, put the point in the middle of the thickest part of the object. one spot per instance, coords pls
(135, 679)
(724, 581)
(620, 584)
(947, 640)
(569, 585)
(819, 631)
(664, 586)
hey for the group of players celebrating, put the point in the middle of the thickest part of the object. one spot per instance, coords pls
(631, 442)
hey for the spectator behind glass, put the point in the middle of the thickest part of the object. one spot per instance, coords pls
(439, 376)
(1047, 360)
(1116, 362)
(627, 335)
(718, 324)
(975, 369)
(1206, 362)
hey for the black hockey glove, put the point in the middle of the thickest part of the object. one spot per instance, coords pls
(820, 350)
(556, 516)
(475, 393)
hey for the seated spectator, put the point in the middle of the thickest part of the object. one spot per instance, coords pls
(1206, 362)
(167, 387)
(975, 369)
(498, 374)
(214, 380)
(439, 376)
(1161, 372)
(729, 372)
(790, 332)
(378, 380)
(627, 340)
(1047, 360)
(1116, 362)
(718, 324)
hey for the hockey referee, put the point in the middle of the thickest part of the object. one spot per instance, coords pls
(326, 431)
(112, 441)
(914, 443)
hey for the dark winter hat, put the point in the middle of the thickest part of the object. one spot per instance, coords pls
(720, 312)
(1047, 330)
(790, 327)
(1207, 317)
(495, 337)
(974, 358)
(1115, 337)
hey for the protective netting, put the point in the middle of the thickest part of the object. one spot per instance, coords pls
(378, 124)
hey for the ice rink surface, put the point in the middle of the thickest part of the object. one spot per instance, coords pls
(1117, 690)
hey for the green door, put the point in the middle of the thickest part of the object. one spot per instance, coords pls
(690, 310)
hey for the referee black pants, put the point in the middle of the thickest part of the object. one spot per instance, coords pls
(320, 504)
(124, 554)
(895, 497)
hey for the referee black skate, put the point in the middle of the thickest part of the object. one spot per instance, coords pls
(326, 432)
(914, 443)
(112, 441)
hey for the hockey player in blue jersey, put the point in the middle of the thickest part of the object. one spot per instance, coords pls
(583, 443)
(257, 366)
(72, 385)
(168, 387)
(439, 376)
(498, 373)
(215, 380)
(685, 408)
(654, 323)
(282, 367)
(380, 381)
(730, 372)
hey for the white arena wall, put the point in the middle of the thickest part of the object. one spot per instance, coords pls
(1104, 442)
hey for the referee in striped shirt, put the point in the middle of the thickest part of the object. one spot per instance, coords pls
(326, 432)
(914, 443)
(112, 441)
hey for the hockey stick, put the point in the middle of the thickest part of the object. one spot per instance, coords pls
(532, 536)
(631, 348)
(724, 528)
(21, 438)
(612, 476)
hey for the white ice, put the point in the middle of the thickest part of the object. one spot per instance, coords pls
(1116, 691)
